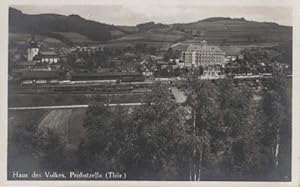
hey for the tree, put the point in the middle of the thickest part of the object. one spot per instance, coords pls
(106, 133)
(276, 105)
(152, 50)
(201, 99)
(226, 129)
(159, 138)
(49, 149)
(237, 132)
(168, 54)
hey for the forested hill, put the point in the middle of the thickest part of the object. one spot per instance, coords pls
(49, 23)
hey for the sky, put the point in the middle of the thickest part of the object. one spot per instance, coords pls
(132, 12)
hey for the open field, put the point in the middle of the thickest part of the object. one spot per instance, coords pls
(236, 49)
(162, 36)
(52, 40)
(67, 123)
(232, 49)
(21, 39)
(75, 37)
(237, 30)
(57, 120)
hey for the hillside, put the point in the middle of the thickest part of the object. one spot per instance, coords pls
(216, 30)
(153, 36)
(53, 23)
(228, 30)
(73, 30)
(20, 41)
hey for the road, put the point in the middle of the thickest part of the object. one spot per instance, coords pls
(70, 106)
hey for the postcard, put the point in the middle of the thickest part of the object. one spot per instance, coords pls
(150, 91)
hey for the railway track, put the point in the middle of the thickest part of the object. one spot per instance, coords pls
(79, 93)
(71, 106)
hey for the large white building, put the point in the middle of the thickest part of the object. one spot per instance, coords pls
(209, 57)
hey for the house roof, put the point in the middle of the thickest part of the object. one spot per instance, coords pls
(48, 53)
(39, 75)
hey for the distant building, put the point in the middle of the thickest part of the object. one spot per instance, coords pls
(39, 77)
(147, 73)
(36, 56)
(32, 50)
(88, 49)
(47, 57)
(210, 58)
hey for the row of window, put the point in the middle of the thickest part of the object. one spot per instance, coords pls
(207, 61)
(201, 59)
(50, 60)
(211, 73)
(205, 53)
(215, 55)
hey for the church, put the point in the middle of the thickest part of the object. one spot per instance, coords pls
(35, 55)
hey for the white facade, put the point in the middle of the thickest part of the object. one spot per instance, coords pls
(31, 52)
(203, 55)
(210, 58)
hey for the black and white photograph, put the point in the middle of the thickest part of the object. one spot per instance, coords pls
(150, 91)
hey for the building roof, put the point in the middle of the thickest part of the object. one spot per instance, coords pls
(105, 74)
(48, 53)
(45, 54)
(39, 75)
(161, 62)
(193, 47)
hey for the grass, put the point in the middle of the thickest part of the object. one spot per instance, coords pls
(75, 37)
(162, 36)
(68, 123)
(236, 49)
(57, 120)
(24, 38)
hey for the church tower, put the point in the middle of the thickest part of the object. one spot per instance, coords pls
(32, 50)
